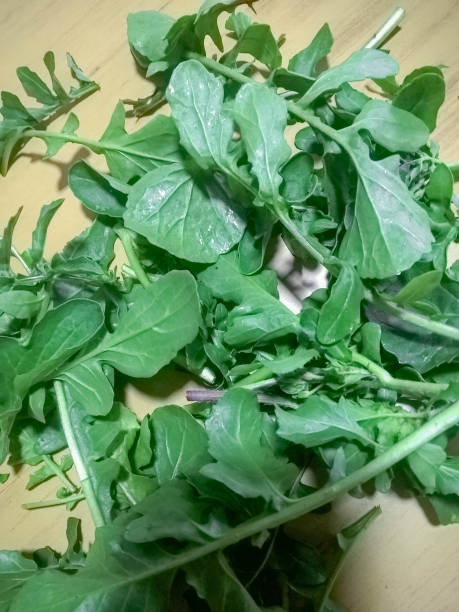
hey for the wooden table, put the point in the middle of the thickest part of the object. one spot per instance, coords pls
(403, 563)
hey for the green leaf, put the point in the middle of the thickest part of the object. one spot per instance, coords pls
(262, 118)
(362, 64)
(340, 315)
(47, 212)
(389, 231)
(147, 35)
(216, 583)
(180, 443)
(15, 571)
(173, 511)
(95, 243)
(4, 478)
(89, 386)
(56, 338)
(305, 61)
(190, 217)
(446, 507)
(6, 242)
(425, 463)
(418, 287)
(162, 319)
(259, 316)
(99, 192)
(255, 240)
(54, 144)
(297, 176)
(448, 477)
(371, 341)
(21, 304)
(285, 364)
(196, 99)
(256, 40)
(244, 462)
(112, 566)
(441, 184)
(320, 420)
(35, 87)
(391, 127)
(422, 93)
(45, 472)
(130, 156)
(206, 19)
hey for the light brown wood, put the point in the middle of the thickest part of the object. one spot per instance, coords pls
(403, 562)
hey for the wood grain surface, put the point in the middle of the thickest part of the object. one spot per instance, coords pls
(403, 563)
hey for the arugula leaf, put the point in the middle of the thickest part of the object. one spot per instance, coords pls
(320, 420)
(340, 315)
(15, 571)
(422, 93)
(99, 192)
(147, 31)
(178, 211)
(362, 64)
(418, 287)
(257, 40)
(89, 385)
(35, 253)
(244, 463)
(21, 304)
(216, 583)
(305, 62)
(259, 316)
(391, 127)
(196, 99)
(262, 118)
(163, 318)
(180, 443)
(377, 246)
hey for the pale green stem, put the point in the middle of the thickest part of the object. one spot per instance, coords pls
(412, 387)
(47, 503)
(59, 473)
(18, 256)
(78, 460)
(128, 245)
(386, 29)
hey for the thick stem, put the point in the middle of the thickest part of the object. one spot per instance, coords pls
(439, 424)
(47, 503)
(411, 387)
(80, 466)
(386, 29)
(59, 473)
(442, 329)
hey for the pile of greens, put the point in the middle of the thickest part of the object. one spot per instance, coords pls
(356, 392)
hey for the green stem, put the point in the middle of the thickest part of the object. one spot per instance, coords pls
(80, 466)
(59, 473)
(47, 503)
(259, 375)
(412, 387)
(430, 430)
(128, 244)
(442, 329)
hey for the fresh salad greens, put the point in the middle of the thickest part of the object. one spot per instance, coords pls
(358, 390)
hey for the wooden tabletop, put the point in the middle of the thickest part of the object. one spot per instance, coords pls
(403, 563)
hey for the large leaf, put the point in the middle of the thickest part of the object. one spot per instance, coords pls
(190, 216)
(180, 443)
(260, 315)
(244, 462)
(262, 119)
(362, 64)
(320, 420)
(196, 99)
(340, 315)
(163, 318)
(389, 231)
(392, 127)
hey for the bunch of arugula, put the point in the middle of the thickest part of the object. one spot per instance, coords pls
(359, 387)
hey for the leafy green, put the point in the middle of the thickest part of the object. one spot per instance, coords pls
(305, 61)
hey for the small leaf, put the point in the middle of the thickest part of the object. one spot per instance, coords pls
(340, 315)
(20, 304)
(99, 192)
(305, 61)
(422, 93)
(418, 287)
